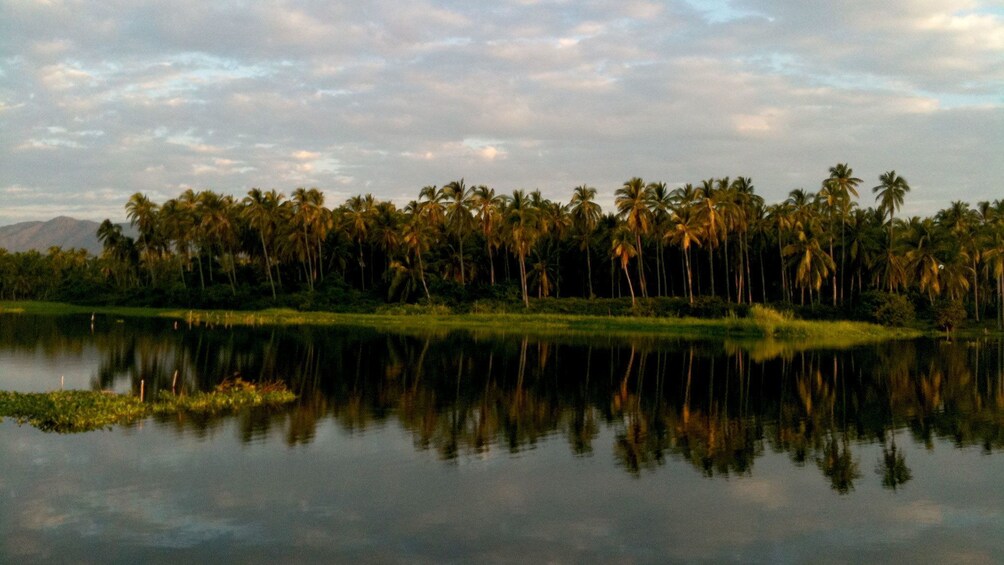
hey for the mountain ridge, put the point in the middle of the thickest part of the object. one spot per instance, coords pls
(61, 231)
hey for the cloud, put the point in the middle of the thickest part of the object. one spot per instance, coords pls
(385, 98)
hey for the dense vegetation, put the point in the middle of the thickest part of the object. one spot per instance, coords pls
(707, 249)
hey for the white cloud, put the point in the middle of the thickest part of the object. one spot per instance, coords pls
(387, 97)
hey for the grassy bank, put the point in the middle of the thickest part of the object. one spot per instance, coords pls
(68, 411)
(760, 323)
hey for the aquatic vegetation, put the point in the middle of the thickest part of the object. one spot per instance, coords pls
(68, 411)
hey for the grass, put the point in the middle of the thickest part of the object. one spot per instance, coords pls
(762, 322)
(69, 411)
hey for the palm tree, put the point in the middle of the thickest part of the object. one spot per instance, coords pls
(218, 224)
(488, 214)
(356, 222)
(632, 201)
(922, 259)
(142, 214)
(261, 211)
(993, 254)
(660, 202)
(842, 184)
(191, 235)
(416, 236)
(889, 195)
(963, 223)
(713, 223)
(812, 263)
(684, 230)
(176, 227)
(386, 230)
(748, 216)
(622, 248)
(522, 225)
(554, 224)
(119, 251)
(586, 214)
(459, 219)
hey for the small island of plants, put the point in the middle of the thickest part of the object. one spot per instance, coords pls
(68, 411)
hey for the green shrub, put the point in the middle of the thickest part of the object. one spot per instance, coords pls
(885, 308)
(948, 314)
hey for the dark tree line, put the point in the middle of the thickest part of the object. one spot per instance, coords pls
(715, 239)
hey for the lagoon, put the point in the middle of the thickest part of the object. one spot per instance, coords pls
(433, 446)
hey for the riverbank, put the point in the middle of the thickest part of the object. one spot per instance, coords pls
(760, 323)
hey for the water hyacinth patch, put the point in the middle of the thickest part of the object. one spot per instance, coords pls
(70, 411)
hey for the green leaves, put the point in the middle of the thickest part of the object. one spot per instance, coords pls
(72, 411)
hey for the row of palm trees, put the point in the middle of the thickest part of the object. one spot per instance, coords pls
(714, 238)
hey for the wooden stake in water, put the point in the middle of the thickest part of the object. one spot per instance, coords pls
(61, 381)
(142, 389)
(174, 381)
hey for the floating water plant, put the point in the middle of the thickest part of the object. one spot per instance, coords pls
(68, 411)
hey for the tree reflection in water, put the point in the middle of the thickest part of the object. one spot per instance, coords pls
(717, 406)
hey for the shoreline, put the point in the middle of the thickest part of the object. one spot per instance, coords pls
(840, 333)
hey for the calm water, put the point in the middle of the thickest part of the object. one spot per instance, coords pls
(457, 447)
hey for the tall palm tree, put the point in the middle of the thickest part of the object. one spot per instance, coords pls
(714, 223)
(586, 214)
(261, 211)
(922, 256)
(632, 201)
(522, 227)
(142, 214)
(176, 228)
(459, 219)
(191, 236)
(357, 218)
(684, 231)
(963, 223)
(842, 184)
(622, 248)
(218, 224)
(660, 202)
(488, 214)
(747, 205)
(889, 194)
(416, 236)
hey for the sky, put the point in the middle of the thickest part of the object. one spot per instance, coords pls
(99, 100)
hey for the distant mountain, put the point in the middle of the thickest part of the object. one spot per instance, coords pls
(62, 231)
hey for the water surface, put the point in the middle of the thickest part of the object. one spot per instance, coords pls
(459, 447)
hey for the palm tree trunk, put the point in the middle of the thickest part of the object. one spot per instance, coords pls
(362, 267)
(463, 282)
(641, 268)
(421, 275)
(202, 278)
(976, 292)
(711, 268)
(630, 286)
(843, 255)
(491, 263)
(589, 271)
(690, 280)
(749, 272)
(658, 270)
(728, 283)
(784, 273)
(763, 276)
(320, 258)
(268, 265)
(522, 278)
(834, 280)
